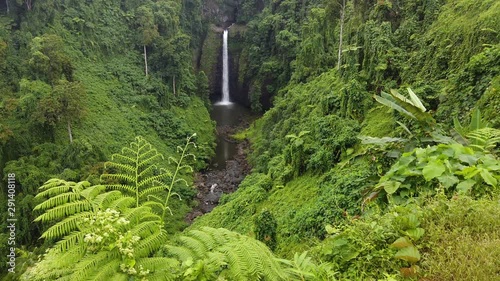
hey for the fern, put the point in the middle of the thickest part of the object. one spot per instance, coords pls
(150, 244)
(244, 258)
(65, 226)
(113, 234)
(485, 139)
(135, 168)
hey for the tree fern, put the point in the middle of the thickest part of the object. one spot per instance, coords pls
(138, 175)
(112, 234)
(68, 203)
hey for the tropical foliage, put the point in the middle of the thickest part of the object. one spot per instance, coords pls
(377, 150)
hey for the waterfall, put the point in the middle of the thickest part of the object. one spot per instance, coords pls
(225, 71)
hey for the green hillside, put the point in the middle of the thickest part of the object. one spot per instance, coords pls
(376, 156)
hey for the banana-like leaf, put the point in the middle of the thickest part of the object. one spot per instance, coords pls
(393, 105)
(416, 101)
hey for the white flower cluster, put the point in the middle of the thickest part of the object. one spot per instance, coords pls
(105, 227)
(130, 270)
(92, 238)
(125, 243)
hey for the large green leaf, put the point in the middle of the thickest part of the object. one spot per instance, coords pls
(409, 254)
(402, 242)
(488, 177)
(415, 233)
(433, 169)
(416, 101)
(448, 180)
(391, 186)
(465, 186)
(393, 105)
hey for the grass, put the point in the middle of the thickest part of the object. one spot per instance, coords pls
(462, 240)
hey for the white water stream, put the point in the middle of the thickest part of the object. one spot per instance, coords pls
(225, 72)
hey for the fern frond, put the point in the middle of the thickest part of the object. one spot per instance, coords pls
(120, 166)
(150, 159)
(57, 200)
(151, 180)
(104, 199)
(151, 243)
(207, 238)
(58, 186)
(120, 157)
(85, 266)
(147, 170)
(485, 139)
(65, 226)
(65, 210)
(196, 246)
(220, 235)
(122, 187)
(151, 196)
(158, 263)
(69, 241)
(244, 257)
(106, 271)
(130, 151)
(182, 253)
(121, 177)
(54, 191)
(187, 168)
(122, 203)
(152, 190)
(138, 213)
(145, 229)
(54, 182)
(119, 276)
(182, 181)
(92, 191)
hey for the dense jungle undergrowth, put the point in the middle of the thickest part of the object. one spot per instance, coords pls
(378, 160)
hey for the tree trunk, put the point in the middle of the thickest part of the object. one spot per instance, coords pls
(69, 133)
(7, 3)
(173, 84)
(342, 15)
(28, 4)
(145, 61)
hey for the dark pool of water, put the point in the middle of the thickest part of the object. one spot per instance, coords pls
(226, 115)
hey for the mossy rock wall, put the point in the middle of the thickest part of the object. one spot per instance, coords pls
(210, 53)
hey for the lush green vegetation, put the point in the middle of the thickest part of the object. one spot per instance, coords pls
(348, 160)
(379, 159)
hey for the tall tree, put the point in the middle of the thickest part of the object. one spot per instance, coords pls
(148, 30)
(342, 17)
(65, 104)
(48, 60)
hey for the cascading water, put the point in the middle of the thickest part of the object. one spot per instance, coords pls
(225, 72)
